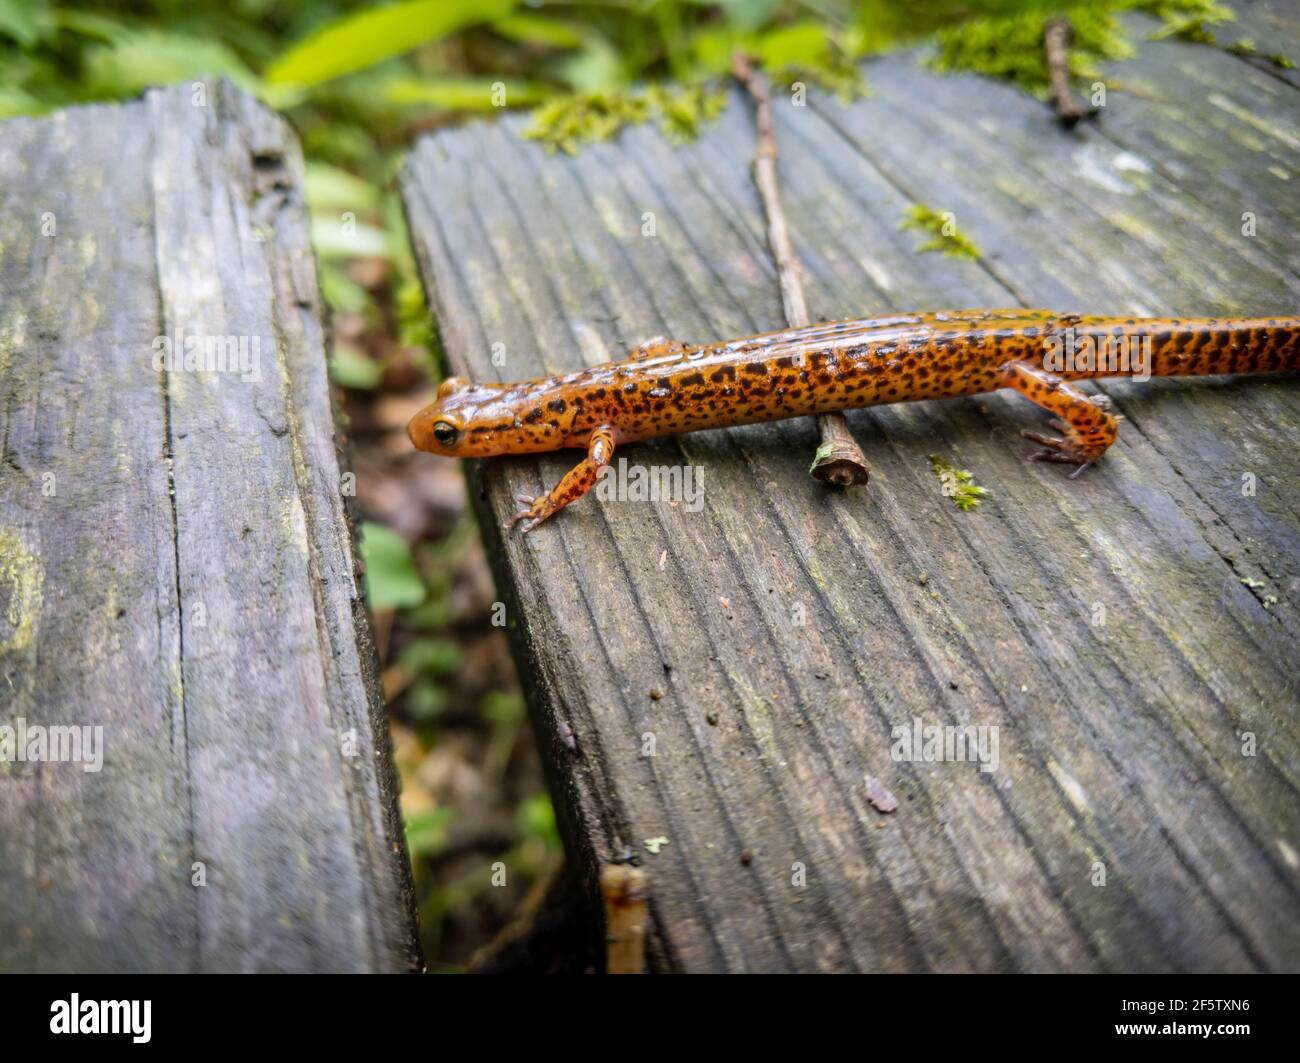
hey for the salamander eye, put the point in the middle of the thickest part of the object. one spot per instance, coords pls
(445, 433)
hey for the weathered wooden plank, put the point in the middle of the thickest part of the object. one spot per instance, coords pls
(1270, 25)
(790, 629)
(177, 563)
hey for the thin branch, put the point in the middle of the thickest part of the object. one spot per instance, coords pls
(1056, 45)
(626, 892)
(839, 459)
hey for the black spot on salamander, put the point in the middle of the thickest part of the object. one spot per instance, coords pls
(557, 405)
(695, 380)
(726, 372)
(785, 363)
(629, 387)
(663, 383)
(756, 368)
(534, 415)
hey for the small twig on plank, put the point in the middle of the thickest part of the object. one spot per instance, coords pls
(626, 891)
(839, 459)
(1056, 45)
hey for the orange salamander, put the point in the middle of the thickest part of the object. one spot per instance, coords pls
(668, 387)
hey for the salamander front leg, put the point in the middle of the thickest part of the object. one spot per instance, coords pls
(576, 483)
(1086, 423)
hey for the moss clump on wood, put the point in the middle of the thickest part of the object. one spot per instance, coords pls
(1011, 47)
(958, 484)
(837, 74)
(21, 580)
(944, 234)
(1246, 47)
(562, 124)
(567, 122)
(684, 112)
(1188, 20)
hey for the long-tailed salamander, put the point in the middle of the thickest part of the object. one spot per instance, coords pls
(668, 387)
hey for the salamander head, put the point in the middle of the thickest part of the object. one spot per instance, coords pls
(481, 421)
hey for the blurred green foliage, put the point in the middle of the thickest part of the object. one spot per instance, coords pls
(391, 579)
(360, 80)
(362, 77)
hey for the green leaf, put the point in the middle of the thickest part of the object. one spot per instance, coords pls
(88, 25)
(463, 94)
(348, 238)
(749, 15)
(425, 701)
(503, 707)
(534, 29)
(391, 579)
(361, 40)
(350, 368)
(23, 21)
(426, 831)
(15, 102)
(342, 294)
(800, 43)
(437, 656)
(597, 68)
(536, 817)
(136, 61)
(331, 188)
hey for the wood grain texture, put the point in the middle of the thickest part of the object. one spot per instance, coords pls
(790, 629)
(177, 564)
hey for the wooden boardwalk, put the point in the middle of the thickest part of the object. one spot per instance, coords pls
(1131, 635)
(176, 566)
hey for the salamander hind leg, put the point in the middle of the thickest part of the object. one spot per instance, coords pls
(1084, 420)
(576, 483)
(657, 347)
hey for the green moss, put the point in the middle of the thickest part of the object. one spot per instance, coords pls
(944, 234)
(684, 112)
(958, 484)
(21, 581)
(1283, 61)
(567, 122)
(836, 73)
(13, 334)
(1188, 20)
(824, 453)
(562, 124)
(1011, 47)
